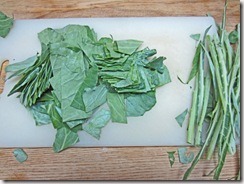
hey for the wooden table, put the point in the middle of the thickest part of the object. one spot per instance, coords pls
(113, 163)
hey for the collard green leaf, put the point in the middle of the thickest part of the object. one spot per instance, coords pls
(96, 123)
(127, 46)
(72, 114)
(55, 115)
(74, 35)
(21, 65)
(156, 64)
(72, 75)
(185, 158)
(181, 117)
(20, 155)
(49, 35)
(64, 139)
(94, 97)
(90, 81)
(6, 23)
(138, 104)
(35, 79)
(116, 103)
(171, 157)
(40, 113)
(75, 123)
(158, 79)
(91, 49)
(109, 48)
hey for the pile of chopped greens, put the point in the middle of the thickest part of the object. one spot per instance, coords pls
(216, 96)
(78, 83)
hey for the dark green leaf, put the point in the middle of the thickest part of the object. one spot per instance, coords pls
(64, 139)
(233, 37)
(195, 64)
(89, 82)
(75, 123)
(49, 35)
(55, 115)
(94, 97)
(21, 65)
(40, 113)
(96, 123)
(138, 104)
(127, 46)
(116, 103)
(171, 157)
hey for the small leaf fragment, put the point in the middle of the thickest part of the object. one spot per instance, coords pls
(171, 157)
(195, 64)
(195, 36)
(64, 138)
(233, 37)
(21, 65)
(181, 117)
(20, 155)
(185, 158)
(6, 24)
(116, 103)
(127, 46)
(97, 122)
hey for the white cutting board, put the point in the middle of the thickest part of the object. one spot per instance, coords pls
(158, 127)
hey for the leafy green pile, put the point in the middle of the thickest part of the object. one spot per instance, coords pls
(6, 24)
(216, 97)
(75, 74)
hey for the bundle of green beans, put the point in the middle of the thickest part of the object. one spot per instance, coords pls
(216, 96)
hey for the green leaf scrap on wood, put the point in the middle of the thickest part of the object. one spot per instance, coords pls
(184, 157)
(171, 157)
(20, 155)
(6, 23)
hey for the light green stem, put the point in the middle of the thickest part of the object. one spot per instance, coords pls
(192, 120)
(204, 109)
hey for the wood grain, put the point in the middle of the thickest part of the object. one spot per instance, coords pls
(23, 9)
(120, 163)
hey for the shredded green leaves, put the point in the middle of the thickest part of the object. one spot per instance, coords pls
(79, 82)
(6, 24)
